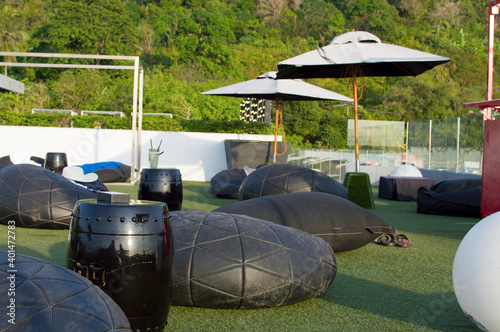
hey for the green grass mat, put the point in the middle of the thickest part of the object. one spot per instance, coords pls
(376, 288)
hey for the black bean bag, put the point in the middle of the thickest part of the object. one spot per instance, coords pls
(461, 197)
(117, 174)
(5, 161)
(226, 183)
(49, 297)
(35, 197)
(277, 179)
(237, 262)
(108, 171)
(343, 224)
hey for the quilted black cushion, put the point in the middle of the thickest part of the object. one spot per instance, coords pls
(343, 224)
(237, 262)
(35, 197)
(49, 297)
(277, 179)
(461, 197)
(226, 183)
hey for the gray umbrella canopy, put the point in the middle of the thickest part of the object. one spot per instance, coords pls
(363, 49)
(267, 87)
(358, 54)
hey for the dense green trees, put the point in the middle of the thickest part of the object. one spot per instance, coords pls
(89, 27)
(189, 46)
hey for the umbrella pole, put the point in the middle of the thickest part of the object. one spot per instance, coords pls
(276, 128)
(356, 142)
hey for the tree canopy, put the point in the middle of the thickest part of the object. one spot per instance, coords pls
(189, 46)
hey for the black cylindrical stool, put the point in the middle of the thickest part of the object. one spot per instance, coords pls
(55, 161)
(162, 184)
(126, 248)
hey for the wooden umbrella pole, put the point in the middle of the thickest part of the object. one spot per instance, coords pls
(356, 142)
(276, 128)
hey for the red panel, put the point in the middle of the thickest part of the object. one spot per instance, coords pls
(490, 187)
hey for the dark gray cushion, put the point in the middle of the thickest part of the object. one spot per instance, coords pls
(343, 224)
(226, 183)
(238, 262)
(278, 179)
(35, 197)
(49, 297)
(460, 197)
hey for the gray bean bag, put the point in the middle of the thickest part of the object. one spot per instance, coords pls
(49, 297)
(278, 179)
(343, 224)
(237, 262)
(35, 197)
(226, 183)
(461, 197)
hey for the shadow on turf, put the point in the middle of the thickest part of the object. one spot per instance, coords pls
(404, 216)
(439, 311)
(56, 253)
(202, 193)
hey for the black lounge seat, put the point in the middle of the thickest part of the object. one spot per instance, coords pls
(35, 197)
(343, 224)
(226, 183)
(109, 171)
(461, 197)
(49, 297)
(278, 179)
(230, 261)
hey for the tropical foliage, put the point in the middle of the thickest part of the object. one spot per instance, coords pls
(189, 46)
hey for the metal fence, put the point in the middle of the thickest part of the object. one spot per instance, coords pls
(330, 161)
(453, 144)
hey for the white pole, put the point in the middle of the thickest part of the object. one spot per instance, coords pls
(69, 56)
(62, 65)
(430, 142)
(139, 136)
(458, 143)
(407, 139)
(134, 123)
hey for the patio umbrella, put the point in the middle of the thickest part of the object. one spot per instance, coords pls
(267, 87)
(358, 54)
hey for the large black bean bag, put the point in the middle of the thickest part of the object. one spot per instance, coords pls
(277, 179)
(35, 197)
(43, 296)
(343, 224)
(237, 262)
(461, 197)
(226, 183)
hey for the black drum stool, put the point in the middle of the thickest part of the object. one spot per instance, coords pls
(163, 185)
(126, 248)
(55, 161)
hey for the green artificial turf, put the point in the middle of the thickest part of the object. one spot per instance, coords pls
(376, 288)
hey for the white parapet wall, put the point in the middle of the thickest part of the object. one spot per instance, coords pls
(198, 156)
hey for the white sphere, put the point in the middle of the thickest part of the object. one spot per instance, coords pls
(406, 171)
(476, 273)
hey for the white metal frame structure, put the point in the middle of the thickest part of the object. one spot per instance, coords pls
(10, 84)
(137, 94)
